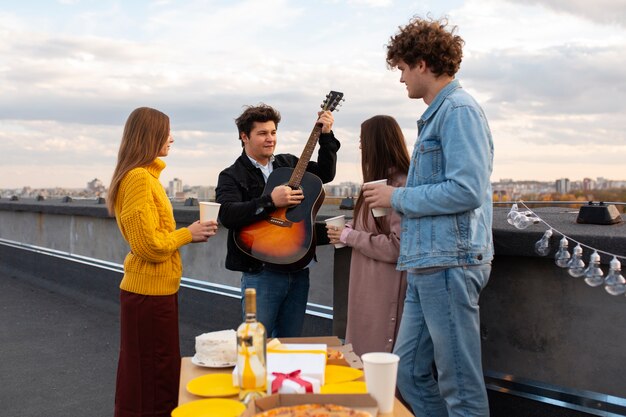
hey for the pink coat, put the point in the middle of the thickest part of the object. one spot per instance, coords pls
(376, 290)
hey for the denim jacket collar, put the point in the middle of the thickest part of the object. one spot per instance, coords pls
(439, 99)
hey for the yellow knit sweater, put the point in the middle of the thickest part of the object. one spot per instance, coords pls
(146, 219)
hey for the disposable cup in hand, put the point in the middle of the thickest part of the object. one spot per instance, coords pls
(379, 211)
(381, 370)
(208, 211)
(339, 222)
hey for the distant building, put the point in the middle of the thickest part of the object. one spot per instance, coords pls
(562, 186)
(175, 187)
(96, 187)
(344, 189)
(588, 184)
(204, 193)
(514, 190)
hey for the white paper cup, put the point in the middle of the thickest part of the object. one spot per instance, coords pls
(381, 370)
(340, 222)
(208, 211)
(379, 211)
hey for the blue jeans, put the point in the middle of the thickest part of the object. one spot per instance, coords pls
(280, 300)
(441, 326)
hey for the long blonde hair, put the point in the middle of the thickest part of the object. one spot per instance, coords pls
(145, 132)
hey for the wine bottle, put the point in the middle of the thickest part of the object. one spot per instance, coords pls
(251, 352)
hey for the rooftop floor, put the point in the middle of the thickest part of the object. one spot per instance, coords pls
(59, 351)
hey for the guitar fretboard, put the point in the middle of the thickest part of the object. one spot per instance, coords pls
(303, 162)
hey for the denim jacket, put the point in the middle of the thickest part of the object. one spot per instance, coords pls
(446, 205)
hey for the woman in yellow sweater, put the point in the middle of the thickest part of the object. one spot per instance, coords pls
(149, 361)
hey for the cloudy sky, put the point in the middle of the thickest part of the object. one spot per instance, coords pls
(550, 75)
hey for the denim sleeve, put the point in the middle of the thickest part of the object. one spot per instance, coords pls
(467, 151)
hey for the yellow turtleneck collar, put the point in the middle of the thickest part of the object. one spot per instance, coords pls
(156, 167)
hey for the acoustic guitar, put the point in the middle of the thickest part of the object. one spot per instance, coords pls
(286, 237)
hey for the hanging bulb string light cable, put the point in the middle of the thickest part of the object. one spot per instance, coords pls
(537, 219)
(614, 283)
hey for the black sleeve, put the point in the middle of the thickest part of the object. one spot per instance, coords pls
(326, 164)
(234, 212)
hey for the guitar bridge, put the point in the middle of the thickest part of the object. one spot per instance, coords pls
(279, 222)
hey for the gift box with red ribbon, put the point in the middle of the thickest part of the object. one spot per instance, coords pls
(291, 383)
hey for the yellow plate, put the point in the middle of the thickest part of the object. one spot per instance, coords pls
(213, 385)
(211, 407)
(336, 374)
(350, 387)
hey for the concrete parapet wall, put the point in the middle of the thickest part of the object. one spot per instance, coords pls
(85, 229)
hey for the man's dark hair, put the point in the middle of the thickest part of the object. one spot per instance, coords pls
(261, 113)
(428, 40)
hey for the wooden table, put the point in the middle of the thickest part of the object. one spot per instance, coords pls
(189, 371)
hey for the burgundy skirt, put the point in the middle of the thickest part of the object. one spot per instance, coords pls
(148, 370)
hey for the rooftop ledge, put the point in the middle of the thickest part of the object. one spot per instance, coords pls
(507, 239)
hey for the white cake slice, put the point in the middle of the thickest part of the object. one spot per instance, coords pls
(217, 348)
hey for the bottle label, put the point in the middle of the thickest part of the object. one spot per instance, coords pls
(251, 369)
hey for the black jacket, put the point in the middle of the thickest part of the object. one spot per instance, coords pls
(240, 193)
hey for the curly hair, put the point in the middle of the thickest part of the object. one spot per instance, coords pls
(428, 40)
(261, 113)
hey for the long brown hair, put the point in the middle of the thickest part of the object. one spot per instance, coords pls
(383, 153)
(145, 132)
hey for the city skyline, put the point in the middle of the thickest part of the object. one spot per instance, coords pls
(178, 184)
(547, 72)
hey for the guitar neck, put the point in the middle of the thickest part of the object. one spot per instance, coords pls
(303, 162)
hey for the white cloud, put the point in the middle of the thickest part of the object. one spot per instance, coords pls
(548, 76)
(372, 3)
(600, 11)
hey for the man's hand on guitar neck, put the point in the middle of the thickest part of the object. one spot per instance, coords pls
(284, 196)
(326, 119)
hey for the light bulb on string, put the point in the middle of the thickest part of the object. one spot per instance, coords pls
(513, 213)
(594, 276)
(576, 265)
(562, 256)
(542, 246)
(525, 219)
(614, 283)
(521, 219)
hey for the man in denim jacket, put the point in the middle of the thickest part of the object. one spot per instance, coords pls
(446, 243)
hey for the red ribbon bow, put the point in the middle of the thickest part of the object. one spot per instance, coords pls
(292, 376)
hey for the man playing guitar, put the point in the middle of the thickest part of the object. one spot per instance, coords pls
(282, 289)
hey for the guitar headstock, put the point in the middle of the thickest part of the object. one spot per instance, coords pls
(332, 101)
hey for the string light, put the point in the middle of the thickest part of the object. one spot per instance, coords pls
(576, 265)
(542, 247)
(614, 283)
(561, 257)
(594, 276)
(521, 219)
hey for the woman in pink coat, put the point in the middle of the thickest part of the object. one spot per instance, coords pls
(376, 291)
